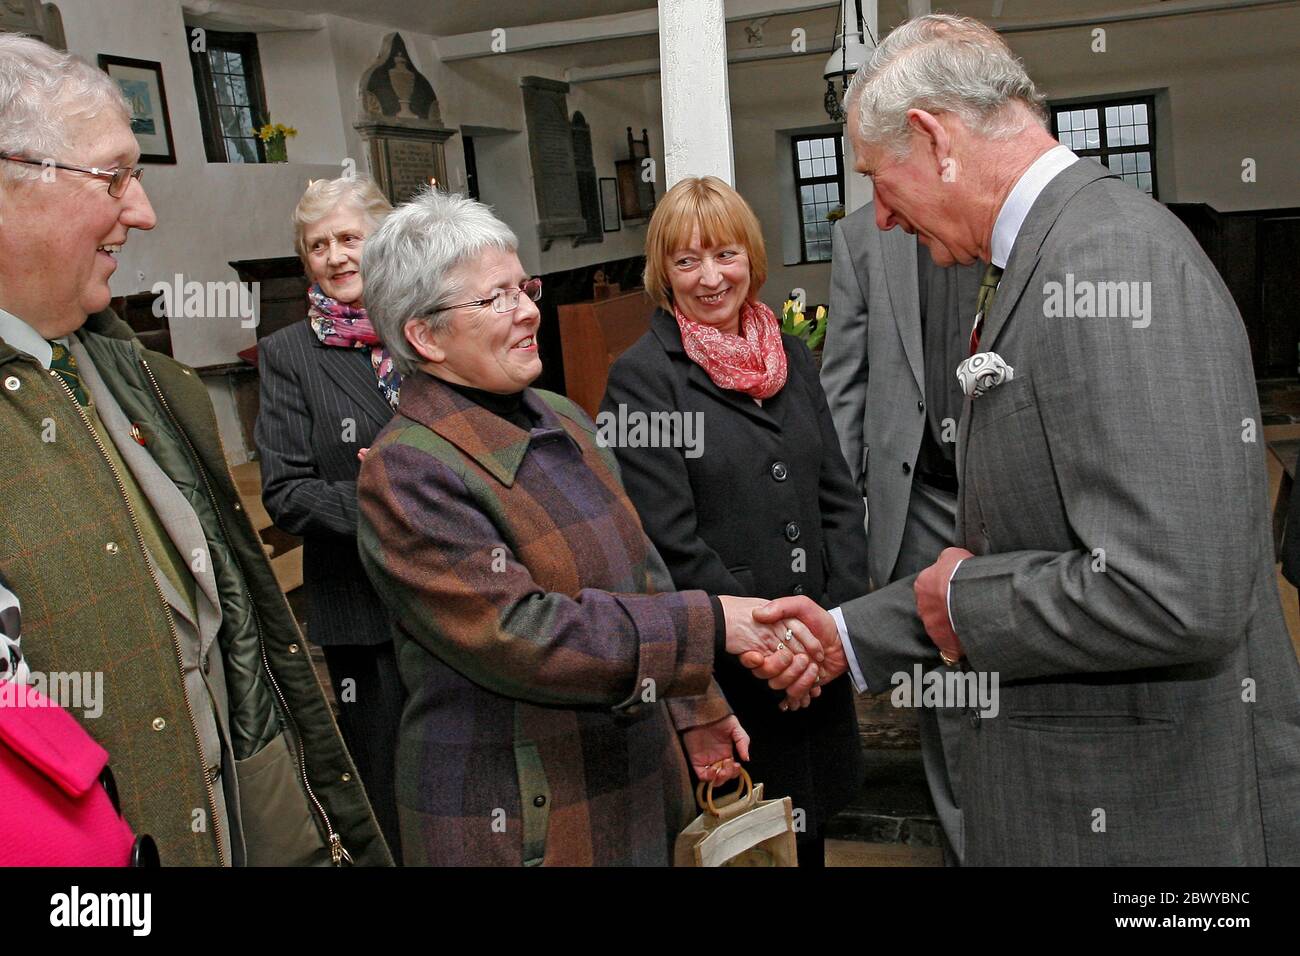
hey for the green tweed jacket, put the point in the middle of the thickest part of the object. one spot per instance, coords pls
(547, 670)
(71, 551)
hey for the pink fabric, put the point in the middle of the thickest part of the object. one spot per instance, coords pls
(53, 812)
(752, 362)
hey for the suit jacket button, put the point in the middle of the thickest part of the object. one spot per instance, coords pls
(779, 471)
(792, 532)
(539, 800)
(797, 589)
(159, 724)
(920, 406)
(907, 468)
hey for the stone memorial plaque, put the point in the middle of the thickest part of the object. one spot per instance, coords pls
(411, 164)
(550, 149)
(588, 192)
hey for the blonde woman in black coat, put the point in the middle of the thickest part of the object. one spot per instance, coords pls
(755, 498)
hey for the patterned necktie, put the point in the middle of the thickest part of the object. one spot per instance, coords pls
(984, 302)
(65, 366)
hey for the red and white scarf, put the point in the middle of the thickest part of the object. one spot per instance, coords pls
(752, 362)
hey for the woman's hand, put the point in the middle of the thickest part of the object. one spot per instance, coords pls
(712, 744)
(781, 652)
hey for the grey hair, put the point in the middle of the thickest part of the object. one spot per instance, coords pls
(41, 90)
(323, 196)
(941, 63)
(406, 264)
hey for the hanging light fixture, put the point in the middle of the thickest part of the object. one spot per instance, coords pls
(851, 51)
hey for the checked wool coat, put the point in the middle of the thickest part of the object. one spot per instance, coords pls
(544, 672)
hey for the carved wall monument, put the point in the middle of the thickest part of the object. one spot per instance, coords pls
(22, 16)
(588, 192)
(550, 150)
(400, 124)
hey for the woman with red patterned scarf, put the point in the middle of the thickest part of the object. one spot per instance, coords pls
(742, 486)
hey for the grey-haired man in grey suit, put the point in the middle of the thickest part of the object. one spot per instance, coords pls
(899, 327)
(1116, 567)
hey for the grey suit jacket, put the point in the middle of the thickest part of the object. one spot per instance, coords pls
(1114, 495)
(873, 374)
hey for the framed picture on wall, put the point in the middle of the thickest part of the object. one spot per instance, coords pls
(609, 204)
(141, 83)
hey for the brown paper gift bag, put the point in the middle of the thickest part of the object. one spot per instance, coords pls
(742, 829)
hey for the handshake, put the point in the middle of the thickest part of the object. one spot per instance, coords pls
(792, 643)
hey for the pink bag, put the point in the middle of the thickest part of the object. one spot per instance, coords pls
(53, 810)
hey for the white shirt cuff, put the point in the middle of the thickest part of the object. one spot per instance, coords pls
(855, 672)
(948, 598)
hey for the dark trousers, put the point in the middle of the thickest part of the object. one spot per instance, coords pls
(370, 707)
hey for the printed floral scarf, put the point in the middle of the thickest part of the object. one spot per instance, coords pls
(344, 327)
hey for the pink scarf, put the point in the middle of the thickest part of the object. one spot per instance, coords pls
(343, 326)
(752, 362)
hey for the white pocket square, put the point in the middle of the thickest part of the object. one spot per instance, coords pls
(983, 371)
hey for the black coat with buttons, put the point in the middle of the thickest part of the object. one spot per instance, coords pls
(763, 506)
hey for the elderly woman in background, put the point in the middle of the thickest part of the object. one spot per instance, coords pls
(327, 388)
(768, 509)
(548, 672)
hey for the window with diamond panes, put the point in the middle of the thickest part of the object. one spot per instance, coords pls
(819, 181)
(1119, 133)
(232, 105)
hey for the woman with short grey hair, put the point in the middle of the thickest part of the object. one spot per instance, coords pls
(548, 663)
(327, 387)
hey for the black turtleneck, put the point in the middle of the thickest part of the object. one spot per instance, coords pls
(510, 407)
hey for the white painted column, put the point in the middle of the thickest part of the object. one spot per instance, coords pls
(857, 188)
(696, 100)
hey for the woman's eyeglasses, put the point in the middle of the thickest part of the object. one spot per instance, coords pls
(507, 300)
(117, 178)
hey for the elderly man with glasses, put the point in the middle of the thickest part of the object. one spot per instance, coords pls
(123, 535)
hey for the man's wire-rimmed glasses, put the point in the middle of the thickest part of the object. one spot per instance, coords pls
(117, 178)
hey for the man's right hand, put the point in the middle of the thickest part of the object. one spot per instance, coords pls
(818, 621)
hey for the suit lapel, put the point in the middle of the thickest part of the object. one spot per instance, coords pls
(899, 252)
(350, 369)
(1021, 266)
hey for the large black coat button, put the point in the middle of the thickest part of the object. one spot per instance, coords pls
(779, 471)
(792, 532)
(907, 468)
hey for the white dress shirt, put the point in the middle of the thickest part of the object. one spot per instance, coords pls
(25, 338)
(1006, 228)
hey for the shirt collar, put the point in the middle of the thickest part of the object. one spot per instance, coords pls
(1021, 199)
(25, 338)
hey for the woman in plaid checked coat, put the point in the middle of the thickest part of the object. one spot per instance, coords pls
(548, 676)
